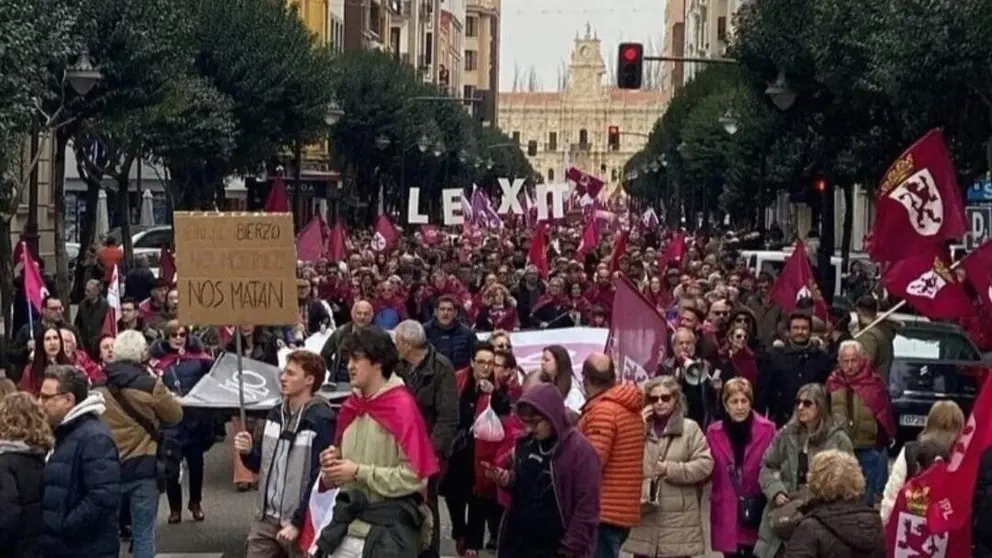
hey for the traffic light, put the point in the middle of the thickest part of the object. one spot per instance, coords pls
(613, 138)
(630, 66)
(820, 185)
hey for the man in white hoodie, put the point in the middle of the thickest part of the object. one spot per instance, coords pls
(79, 508)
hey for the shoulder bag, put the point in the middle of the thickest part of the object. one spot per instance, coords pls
(749, 508)
(784, 519)
(169, 454)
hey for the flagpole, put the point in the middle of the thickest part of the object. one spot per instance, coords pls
(894, 309)
(27, 300)
(241, 374)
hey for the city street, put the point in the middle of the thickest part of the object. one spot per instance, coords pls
(229, 514)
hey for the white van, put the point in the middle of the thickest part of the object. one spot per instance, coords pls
(773, 261)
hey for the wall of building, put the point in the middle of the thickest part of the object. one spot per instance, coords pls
(673, 74)
(481, 61)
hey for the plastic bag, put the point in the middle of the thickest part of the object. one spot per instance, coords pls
(488, 427)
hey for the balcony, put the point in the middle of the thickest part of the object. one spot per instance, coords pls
(550, 147)
(579, 147)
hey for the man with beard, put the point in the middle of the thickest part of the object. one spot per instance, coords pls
(798, 362)
(767, 314)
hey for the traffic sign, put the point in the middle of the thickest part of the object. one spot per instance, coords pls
(980, 220)
(980, 190)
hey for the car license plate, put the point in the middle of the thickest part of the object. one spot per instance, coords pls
(912, 420)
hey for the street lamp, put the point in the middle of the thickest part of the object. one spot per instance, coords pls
(382, 142)
(663, 159)
(478, 162)
(782, 96)
(681, 149)
(438, 149)
(333, 114)
(490, 163)
(654, 166)
(463, 156)
(423, 143)
(82, 75)
(729, 122)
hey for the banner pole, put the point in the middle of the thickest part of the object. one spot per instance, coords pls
(894, 309)
(241, 375)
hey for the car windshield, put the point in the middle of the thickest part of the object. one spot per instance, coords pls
(921, 363)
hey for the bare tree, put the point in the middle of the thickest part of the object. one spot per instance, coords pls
(564, 70)
(516, 76)
(533, 83)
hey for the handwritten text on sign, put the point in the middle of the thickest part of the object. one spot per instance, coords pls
(237, 268)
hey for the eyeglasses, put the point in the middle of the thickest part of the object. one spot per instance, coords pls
(484, 362)
(502, 346)
(664, 398)
(740, 319)
(43, 397)
(719, 313)
(739, 337)
(804, 403)
(178, 335)
(532, 422)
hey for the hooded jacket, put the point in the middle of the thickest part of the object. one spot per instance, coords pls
(611, 421)
(21, 486)
(149, 396)
(838, 530)
(82, 487)
(576, 470)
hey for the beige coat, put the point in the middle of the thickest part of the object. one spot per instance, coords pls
(671, 519)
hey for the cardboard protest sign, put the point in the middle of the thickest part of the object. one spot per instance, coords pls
(237, 268)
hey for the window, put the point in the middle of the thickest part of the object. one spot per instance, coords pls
(551, 174)
(552, 141)
(721, 29)
(429, 49)
(471, 26)
(516, 137)
(532, 148)
(583, 137)
(471, 60)
(468, 92)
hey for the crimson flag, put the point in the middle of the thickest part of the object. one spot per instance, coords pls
(978, 266)
(538, 253)
(909, 532)
(34, 287)
(638, 338)
(167, 265)
(430, 236)
(675, 251)
(590, 237)
(919, 204)
(797, 282)
(310, 241)
(585, 183)
(336, 249)
(277, 202)
(385, 237)
(929, 285)
(619, 249)
(952, 482)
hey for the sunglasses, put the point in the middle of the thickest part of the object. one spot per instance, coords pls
(739, 337)
(804, 403)
(666, 398)
(501, 346)
(178, 335)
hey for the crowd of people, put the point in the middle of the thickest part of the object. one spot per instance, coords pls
(772, 427)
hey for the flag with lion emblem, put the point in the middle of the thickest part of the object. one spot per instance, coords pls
(930, 286)
(796, 282)
(919, 205)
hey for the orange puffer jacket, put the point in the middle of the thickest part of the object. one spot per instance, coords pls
(611, 421)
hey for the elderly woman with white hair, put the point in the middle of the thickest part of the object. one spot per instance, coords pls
(138, 407)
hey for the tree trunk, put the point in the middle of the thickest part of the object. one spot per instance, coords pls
(124, 210)
(6, 290)
(847, 231)
(58, 206)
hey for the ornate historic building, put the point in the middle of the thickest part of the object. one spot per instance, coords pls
(572, 127)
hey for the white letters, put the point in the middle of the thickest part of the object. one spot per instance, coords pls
(413, 214)
(558, 193)
(451, 206)
(510, 203)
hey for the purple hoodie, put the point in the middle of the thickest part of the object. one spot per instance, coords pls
(576, 470)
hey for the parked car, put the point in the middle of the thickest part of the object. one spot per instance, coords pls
(932, 361)
(156, 237)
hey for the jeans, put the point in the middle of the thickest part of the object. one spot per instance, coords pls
(875, 467)
(609, 539)
(193, 456)
(143, 498)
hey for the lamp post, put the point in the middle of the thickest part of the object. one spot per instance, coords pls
(729, 122)
(332, 116)
(782, 96)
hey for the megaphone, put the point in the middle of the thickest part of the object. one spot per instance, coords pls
(694, 373)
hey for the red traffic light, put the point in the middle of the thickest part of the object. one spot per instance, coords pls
(631, 54)
(821, 185)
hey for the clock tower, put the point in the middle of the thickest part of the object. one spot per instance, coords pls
(586, 68)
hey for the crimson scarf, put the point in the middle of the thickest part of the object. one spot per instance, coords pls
(868, 385)
(745, 364)
(396, 411)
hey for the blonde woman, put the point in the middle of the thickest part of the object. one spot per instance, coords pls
(943, 424)
(25, 439)
(785, 468)
(677, 464)
(837, 523)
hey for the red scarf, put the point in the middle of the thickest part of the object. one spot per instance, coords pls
(551, 300)
(396, 411)
(745, 364)
(871, 388)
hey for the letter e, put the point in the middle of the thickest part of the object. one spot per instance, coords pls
(451, 206)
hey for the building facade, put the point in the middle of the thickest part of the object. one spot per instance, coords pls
(480, 80)
(43, 176)
(571, 127)
(708, 29)
(673, 73)
(450, 47)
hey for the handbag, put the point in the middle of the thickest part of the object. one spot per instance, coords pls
(650, 505)
(169, 456)
(785, 518)
(749, 508)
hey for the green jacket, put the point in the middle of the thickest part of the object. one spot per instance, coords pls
(877, 343)
(851, 412)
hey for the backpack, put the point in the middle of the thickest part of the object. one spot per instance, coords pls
(170, 452)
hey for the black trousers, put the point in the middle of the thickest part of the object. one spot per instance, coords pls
(482, 512)
(742, 552)
(193, 456)
(435, 550)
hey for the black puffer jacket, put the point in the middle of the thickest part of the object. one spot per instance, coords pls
(22, 481)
